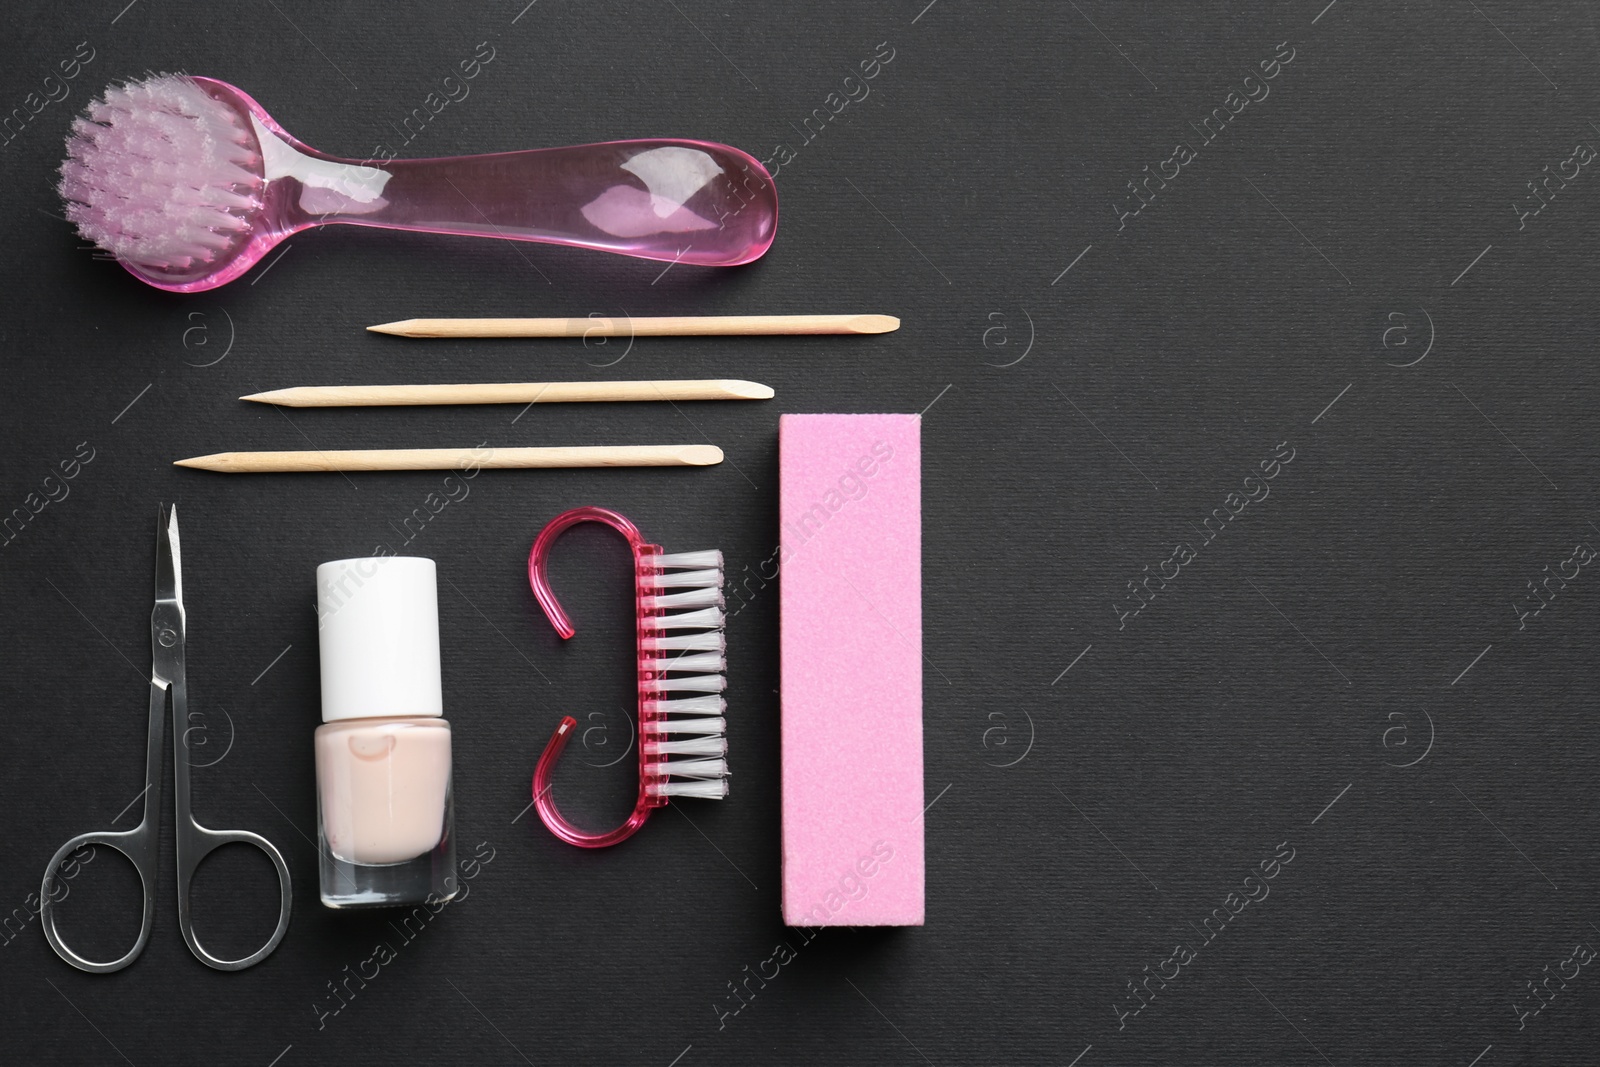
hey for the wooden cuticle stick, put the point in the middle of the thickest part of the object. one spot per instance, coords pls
(629, 326)
(326, 396)
(483, 458)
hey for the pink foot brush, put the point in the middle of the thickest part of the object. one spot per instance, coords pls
(189, 182)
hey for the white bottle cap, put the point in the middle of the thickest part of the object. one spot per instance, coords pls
(378, 628)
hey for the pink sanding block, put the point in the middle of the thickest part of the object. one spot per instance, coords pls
(850, 524)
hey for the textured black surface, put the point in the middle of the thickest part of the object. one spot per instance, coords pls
(1098, 783)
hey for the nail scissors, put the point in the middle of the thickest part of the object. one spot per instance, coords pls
(142, 844)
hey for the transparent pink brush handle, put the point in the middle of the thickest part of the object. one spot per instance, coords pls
(690, 202)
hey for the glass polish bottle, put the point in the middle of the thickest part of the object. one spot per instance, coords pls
(384, 810)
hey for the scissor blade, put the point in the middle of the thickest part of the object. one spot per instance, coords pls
(169, 570)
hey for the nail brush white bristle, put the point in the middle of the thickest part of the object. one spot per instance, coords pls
(685, 663)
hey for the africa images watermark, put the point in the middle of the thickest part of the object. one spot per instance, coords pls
(1542, 595)
(12, 925)
(1253, 890)
(1541, 996)
(1255, 90)
(853, 884)
(1234, 503)
(853, 483)
(453, 89)
(453, 489)
(53, 88)
(53, 489)
(1541, 192)
(853, 89)
(351, 980)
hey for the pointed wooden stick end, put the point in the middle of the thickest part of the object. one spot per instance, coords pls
(203, 463)
(747, 390)
(400, 328)
(874, 324)
(701, 455)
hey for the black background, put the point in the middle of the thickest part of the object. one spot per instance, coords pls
(1077, 426)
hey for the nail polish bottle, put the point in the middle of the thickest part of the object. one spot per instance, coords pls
(384, 811)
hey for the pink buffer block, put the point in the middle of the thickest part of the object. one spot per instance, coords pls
(850, 520)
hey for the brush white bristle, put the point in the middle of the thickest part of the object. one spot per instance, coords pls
(700, 662)
(704, 789)
(711, 641)
(689, 746)
(682, 579)
(162, 175)
(708, 597)
(698, 560)
(702, 725)
(691, 663)
(704, 619)
(693, 683)
(714, 705)
(689, 768)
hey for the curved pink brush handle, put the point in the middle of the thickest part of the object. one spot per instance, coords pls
(691, 202)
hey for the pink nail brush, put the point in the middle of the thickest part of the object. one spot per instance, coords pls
(189, 182)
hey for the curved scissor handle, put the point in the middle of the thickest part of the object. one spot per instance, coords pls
(141, 846)
(538, 557)
(540, 554)
(195, 843)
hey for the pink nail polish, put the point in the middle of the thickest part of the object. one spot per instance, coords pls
(384, 810)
